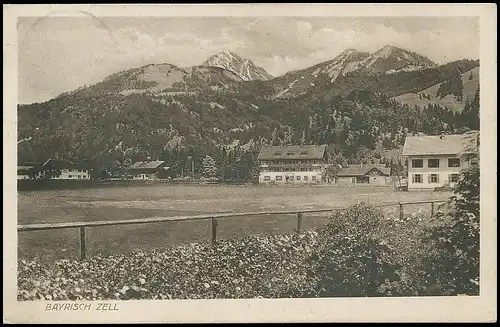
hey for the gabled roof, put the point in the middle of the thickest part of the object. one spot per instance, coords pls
(64, 164)
(147, 165)
(363, 170)
(446, 144)
(292, 152)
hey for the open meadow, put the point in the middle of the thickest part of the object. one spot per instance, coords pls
(131, 202)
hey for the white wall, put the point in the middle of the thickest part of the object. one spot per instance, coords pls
(272, 175)
(144, 177)
(443, 171)
(83, 174)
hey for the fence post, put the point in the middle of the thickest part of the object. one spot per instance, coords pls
(299, 221)
(213, 234)
(432, 209)
(400, 211)
(83, 244)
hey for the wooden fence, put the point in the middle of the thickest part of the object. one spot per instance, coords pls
(212, 217)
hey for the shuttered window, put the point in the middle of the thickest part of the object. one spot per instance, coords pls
(433, 178)
(417, 178)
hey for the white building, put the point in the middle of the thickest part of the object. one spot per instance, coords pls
(436, 161)
(65, 169)
(300, 164)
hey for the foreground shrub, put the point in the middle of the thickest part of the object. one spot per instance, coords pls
(454, 268)
(255, 266)
(352, 259)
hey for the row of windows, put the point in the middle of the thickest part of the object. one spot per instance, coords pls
(433, 178)
(291, 178)
(281, 169)
(288, 162)
(76, 176)
(434, 163)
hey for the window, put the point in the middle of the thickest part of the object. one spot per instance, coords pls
(417, 178)
(453, 178)
(70, 176)
(433, 163)
(417, 163)
(305, 178)
(84, 170)
(314, 177)
(433, 178)
(298, 178)
(290, 153)
(353, 180)
(291, 178)
(454, 162)
(277, 153)
(267, 178)
(279, 178)
(80, 176)
(303, 153)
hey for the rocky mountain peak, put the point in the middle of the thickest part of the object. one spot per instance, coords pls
(242, 67)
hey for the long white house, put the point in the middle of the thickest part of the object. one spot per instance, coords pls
(292, 164)
(65, 169)
(436, 161)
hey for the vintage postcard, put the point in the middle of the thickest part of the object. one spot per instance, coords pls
(249, 163)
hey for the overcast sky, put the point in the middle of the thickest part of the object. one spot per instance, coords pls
(59, 54)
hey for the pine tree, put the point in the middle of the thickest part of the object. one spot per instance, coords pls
(209, 167)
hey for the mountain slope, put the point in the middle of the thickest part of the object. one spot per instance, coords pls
(434, 94)
(388, 60)
(244, 68)
(156, 78)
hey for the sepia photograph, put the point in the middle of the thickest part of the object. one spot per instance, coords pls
(247, 157)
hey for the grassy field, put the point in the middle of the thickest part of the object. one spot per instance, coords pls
(117, 203)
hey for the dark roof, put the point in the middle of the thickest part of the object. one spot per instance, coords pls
(363, 170)
(64, 164)
(147, 165)
(292, 152)
(437, 144)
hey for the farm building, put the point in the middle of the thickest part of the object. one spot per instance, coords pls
(146, 170)
(65, 169)
(364, 174)
(29, 170)
(298, 164)
(436, 161)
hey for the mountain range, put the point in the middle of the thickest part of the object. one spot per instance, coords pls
(356, 100)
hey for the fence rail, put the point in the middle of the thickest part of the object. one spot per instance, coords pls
(212, 217)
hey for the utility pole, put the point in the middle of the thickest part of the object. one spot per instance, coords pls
(192, 167)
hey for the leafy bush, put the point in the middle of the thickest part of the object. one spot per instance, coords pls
(255, 266)
(454, 268)
(352, 259)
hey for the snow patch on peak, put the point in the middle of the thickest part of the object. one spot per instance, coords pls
(244, 68)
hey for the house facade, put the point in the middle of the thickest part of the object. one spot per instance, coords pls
(436, 161)
(364, 174)
(29, 170)
(297, 164)
(146, 170)
(61, 169)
